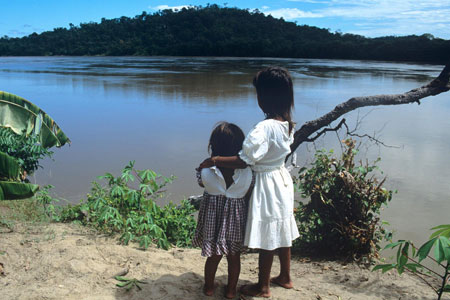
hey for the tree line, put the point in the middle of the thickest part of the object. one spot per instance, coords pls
(221, 31)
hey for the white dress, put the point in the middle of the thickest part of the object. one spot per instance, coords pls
(270, 223)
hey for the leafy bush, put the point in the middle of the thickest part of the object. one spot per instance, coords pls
(409, 258)
(25, 149)
(132, 211)
(342, 217)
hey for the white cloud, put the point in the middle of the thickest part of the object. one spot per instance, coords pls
(291, 13)
(163, 7)
(380, 17)
(265, 7)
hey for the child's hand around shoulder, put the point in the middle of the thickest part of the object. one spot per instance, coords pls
(207, 163)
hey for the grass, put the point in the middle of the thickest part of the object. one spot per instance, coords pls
(27, 211)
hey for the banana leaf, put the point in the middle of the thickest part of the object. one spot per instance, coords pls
(23, 116)
(17, 190)
(11, 190)
(9, 168)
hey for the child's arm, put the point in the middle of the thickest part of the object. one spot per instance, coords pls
(199, 177)
(230, 162)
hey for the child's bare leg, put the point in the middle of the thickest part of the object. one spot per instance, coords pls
(210, 274)
(234, 269)
(262, 288)
(284, 279)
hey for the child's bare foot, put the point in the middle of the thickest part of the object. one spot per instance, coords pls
(283, 282)
(209, 291)
(229, 293)
(254, 290)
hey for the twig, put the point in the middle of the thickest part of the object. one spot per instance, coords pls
(434, 289)
(425, 267)
(372, 138)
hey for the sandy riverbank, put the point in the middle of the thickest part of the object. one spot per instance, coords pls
(63, 261)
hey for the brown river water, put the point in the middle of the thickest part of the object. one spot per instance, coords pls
(159, 111)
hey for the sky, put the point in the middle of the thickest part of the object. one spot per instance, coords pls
(370, 18)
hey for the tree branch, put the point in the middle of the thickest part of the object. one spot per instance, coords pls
(325, 130)
(439, 85)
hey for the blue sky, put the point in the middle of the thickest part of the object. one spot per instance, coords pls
(370, 18)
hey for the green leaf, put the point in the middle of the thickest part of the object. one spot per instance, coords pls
(9, 167)
(441, 226)
(443, 231)
(447, 288)
(127, 176)
(439, 253)
(23, 116)
(393, 245)
(121, 278)
(445, 242)
(403, 258)
(424, 250)
(384, 268)
(123, 284)
(17, 190)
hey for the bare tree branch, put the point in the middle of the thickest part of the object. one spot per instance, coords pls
(370, 137)
(325, 130)
(439, 85)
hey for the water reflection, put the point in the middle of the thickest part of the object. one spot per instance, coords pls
(159, 111)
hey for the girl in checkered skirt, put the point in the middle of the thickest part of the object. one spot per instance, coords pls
(223, 211)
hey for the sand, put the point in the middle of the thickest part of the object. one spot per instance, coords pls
(66, 261)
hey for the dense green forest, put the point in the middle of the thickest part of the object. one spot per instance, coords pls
(221, 31)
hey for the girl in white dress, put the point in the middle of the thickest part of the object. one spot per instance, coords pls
(271, 225)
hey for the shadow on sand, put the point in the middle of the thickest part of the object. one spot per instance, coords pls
(187, 286)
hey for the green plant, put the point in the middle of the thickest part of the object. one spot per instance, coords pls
(47, 202)
(130, 209)
(410, 258)
(342, 217)
(25, 149)
(129, 283)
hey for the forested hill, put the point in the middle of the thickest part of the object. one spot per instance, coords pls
(221, 31)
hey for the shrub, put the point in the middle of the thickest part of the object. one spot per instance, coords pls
(342, 217)
(132, 211)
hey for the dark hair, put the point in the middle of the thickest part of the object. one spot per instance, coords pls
(275, 93)
(226, 140)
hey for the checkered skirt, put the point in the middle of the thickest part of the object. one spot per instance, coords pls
(221, 225)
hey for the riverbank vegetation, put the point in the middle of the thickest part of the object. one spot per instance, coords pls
(341, 217)
(221, 31)
(127, 206)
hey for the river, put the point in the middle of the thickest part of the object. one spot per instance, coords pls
(159, 111)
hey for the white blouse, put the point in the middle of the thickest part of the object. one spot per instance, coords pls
(266, 146)
(214, 182)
